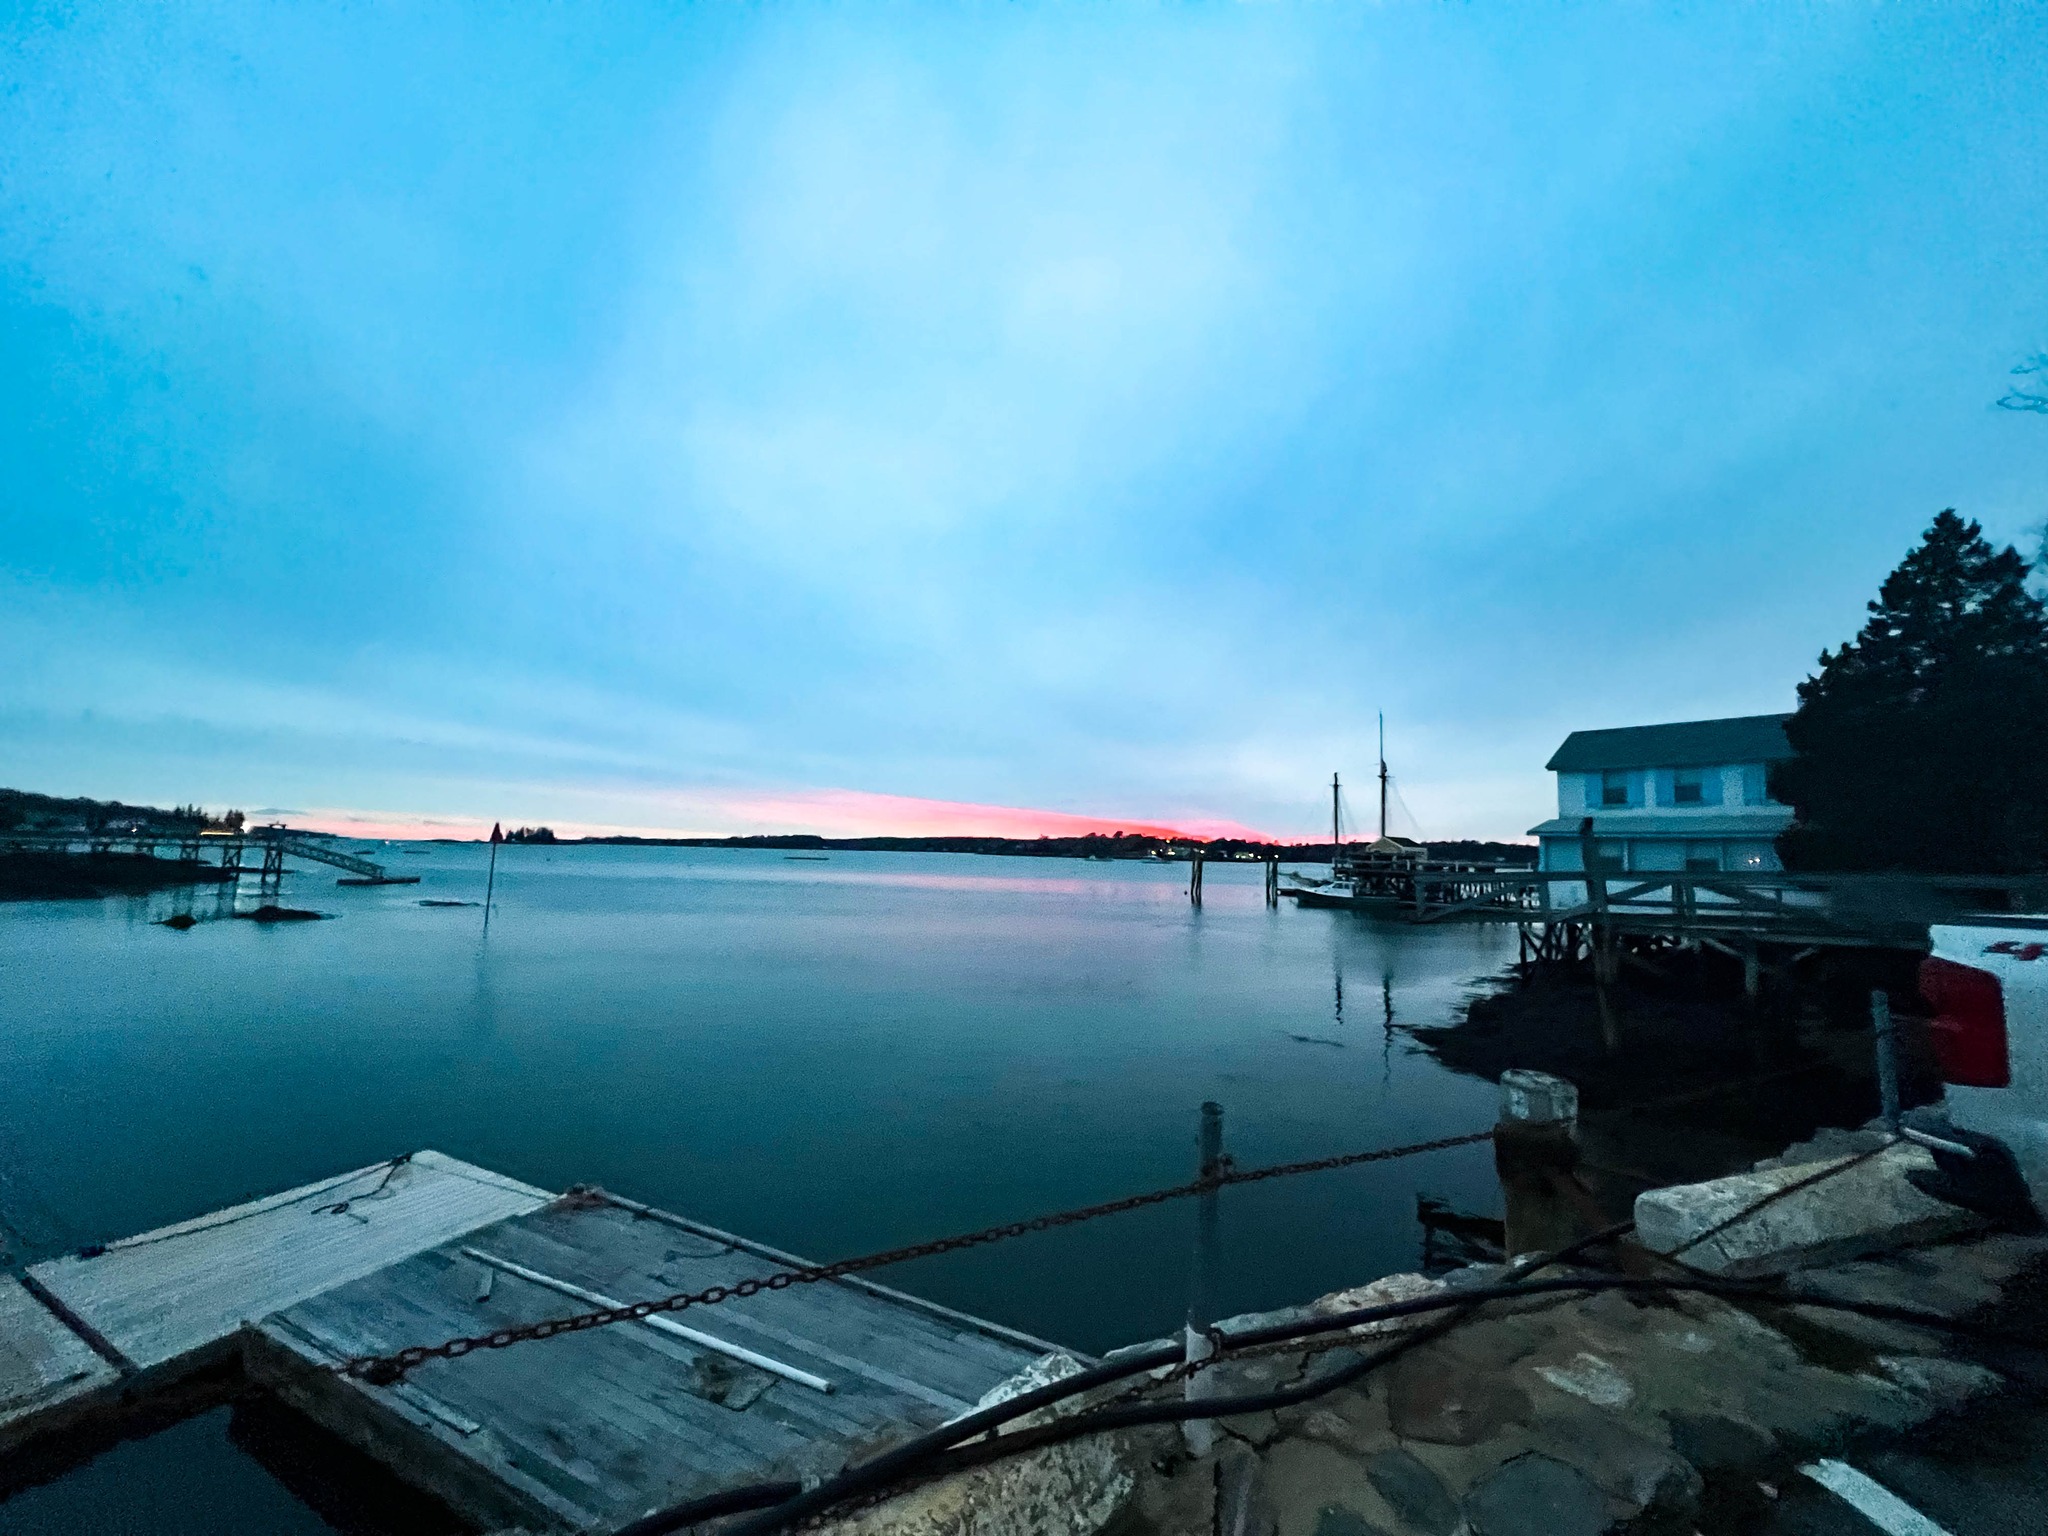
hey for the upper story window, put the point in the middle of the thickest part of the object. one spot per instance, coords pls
(1614, 787)
(1688, 786)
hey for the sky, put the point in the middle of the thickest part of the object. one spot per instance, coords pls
(860, 418)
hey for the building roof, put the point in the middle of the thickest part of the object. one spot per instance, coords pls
(1680, 744)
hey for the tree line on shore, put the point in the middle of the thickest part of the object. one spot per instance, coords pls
(1922, 744)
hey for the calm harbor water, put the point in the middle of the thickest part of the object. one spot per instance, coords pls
(830, 1056)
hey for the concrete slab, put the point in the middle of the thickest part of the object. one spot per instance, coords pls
(1759, 1224)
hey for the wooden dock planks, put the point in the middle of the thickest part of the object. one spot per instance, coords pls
(173, 1299)
(592, 1429)
(49, 1376)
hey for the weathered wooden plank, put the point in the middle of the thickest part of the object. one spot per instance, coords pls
(840, 1328)
(174, 1297)
(49, 1376)
(599, 1426)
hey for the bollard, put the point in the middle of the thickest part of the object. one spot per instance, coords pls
(1886, 1034)
(1535, 1150)
(1200, 1434)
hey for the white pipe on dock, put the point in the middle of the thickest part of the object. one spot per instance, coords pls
(658, 1324)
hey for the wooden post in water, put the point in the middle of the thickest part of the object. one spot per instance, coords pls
(1195, 879)
(1273, 881)
(491, 880)
(1535, 1152)
(1201, 1433)
(1606, 962)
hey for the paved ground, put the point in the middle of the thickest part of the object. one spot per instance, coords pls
(1982, 1472)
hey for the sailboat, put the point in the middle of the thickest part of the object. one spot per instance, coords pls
(1375, 875)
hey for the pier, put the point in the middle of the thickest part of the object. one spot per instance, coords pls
(587, 1431)
(1560, 910)
(228, 850)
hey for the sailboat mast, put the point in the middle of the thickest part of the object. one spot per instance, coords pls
(1383, 778)
(1336, 832)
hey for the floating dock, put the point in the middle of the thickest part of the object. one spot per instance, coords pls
(585, 1431)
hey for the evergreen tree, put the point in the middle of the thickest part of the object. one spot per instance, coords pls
(1922, 744)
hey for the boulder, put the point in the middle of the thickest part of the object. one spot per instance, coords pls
(1865, 1206)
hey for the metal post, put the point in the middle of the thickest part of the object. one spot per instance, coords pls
(1887, 1057)
(1201, 1433)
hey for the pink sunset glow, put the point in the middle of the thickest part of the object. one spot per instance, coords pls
(741, 813)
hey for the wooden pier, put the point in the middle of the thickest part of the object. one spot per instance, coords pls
(272, 844)
(86, 1332)
(1560, 911)
(585, 1431)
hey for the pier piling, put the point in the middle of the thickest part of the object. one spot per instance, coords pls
(1201, 1433)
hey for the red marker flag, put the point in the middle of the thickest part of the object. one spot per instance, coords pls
(497, 833)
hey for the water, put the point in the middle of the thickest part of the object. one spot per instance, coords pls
(831, 1057)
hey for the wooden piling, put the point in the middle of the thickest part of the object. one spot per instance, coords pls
(1201, 1433)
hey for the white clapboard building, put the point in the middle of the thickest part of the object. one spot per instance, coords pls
(1691, 795)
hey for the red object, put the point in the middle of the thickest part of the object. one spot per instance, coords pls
(1969, 1024)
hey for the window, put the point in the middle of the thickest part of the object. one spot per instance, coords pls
(1702, 858)
(1614, 787)
(1688, 787)
(1610, 858)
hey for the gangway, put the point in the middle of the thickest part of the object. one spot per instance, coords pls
(277, 841)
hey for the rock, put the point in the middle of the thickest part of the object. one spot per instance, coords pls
(180, 921)
(1828, 1142)
(1941, 1382)
(1075, 1489)
(1536, 1495)
(1592, 1378)
(1383, 1292)
(1447, 1402)
(1718, 1443)
(1629, 1467)
(1866, 1207)
(1950, 1290)
(1042, 1372)
(1997, 1259)
(1413, 1492)
(1337, 1520)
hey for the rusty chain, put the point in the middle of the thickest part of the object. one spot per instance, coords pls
(383, 1370)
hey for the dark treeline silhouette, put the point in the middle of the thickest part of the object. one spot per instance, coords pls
(23, 809)
(1922, 744)
(1096, 845)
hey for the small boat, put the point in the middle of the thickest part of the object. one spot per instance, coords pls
(378, 880)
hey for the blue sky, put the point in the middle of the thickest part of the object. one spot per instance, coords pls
(780, 417)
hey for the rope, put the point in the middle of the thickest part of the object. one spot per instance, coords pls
(383, 1370)
(257, 1208)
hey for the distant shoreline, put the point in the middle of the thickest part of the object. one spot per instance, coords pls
(1094, 846)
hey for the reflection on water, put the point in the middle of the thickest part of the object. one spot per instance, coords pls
(831, 1057)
